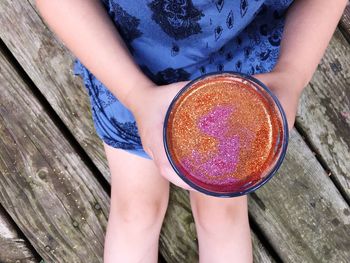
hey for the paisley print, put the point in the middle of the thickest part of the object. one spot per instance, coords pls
(244, 7)
(230, 20)
(218, 32)
(177, 40)
(166, 76)
(220, 4)
(178, 18)
(127, 24)
(171, 75)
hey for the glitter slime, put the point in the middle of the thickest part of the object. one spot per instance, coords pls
(225, 134)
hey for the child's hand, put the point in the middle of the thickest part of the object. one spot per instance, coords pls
(287, 88)
(149, 117)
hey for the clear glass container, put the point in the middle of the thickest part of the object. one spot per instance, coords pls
(225, 134)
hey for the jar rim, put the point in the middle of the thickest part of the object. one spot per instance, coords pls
(283, 147)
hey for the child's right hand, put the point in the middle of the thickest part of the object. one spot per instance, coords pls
(149, 112)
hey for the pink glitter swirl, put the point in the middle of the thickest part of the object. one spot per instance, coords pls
(215, 124)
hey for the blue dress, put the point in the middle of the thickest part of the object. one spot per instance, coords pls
(180, 40)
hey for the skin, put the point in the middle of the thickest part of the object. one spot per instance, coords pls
(222, 224)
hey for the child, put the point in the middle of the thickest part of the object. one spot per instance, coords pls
(134, 57)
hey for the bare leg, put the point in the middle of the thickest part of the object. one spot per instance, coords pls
(222, 228)
(139, 198)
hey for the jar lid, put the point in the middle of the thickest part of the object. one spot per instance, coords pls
(225, 134)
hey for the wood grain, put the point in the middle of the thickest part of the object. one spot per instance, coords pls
(179, 239)
(49, 65)
(51, 73)
(324, 112)
(344, 23)
(301, 212)
(44, 186)
(13, 246)
(286, 208)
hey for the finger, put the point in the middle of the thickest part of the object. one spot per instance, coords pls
(168, 171)
(172, 177)
(263, 78)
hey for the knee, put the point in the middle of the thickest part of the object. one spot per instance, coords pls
(139, 212)
(214, 214)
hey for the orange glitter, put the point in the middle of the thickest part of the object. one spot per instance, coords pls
(224, 133)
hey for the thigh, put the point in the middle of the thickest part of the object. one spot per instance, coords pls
(135, 181)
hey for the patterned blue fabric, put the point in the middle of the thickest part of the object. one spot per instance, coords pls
(180, 40)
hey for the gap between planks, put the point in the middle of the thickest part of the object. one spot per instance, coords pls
(55, 118)
(86, 159)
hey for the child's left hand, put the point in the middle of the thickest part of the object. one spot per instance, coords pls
(287, 87)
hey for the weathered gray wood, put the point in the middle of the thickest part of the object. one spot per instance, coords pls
(51, 73)
(344, 23)
(13, 247)
(179, 238)
(49, 65)
(44, 186)
(324, 112)
(276, 224)
(301, 212)
(260, 254)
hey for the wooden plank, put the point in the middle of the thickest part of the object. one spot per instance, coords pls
(344, 22)
(301, 212)
(13, 247)
(44, 186)
(276, 224)
(260, 253)
(29, 40)
(12, 134)
(49, 65)
(179, 239)
(324, 112)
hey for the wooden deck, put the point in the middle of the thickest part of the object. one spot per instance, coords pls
(54, 179)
